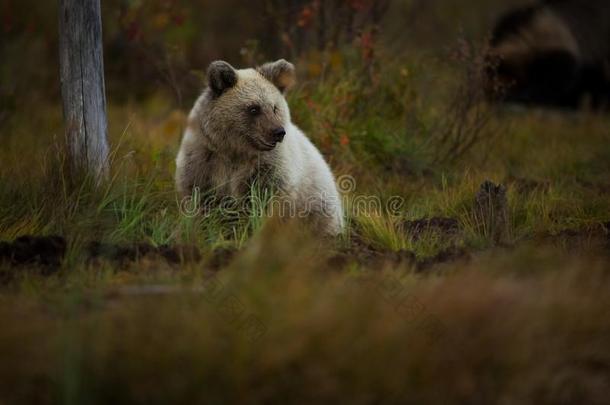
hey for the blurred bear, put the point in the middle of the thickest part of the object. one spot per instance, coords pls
(555, 53)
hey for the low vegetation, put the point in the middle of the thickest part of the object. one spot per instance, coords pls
(432, 295)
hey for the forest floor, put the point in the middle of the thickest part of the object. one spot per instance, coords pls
(443, 289)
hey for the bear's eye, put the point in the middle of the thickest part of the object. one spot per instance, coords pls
(275, 109)
(254, 110)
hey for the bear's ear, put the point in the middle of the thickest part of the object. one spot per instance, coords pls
(221, 76)
(280, 73)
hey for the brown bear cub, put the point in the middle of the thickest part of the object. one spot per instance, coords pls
(240, 129)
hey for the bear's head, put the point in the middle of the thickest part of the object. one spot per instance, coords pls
(246, 109)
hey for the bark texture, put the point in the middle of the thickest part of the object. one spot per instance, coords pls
(82, 86)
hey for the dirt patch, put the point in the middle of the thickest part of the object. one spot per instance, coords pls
(48, 252)
(221, 258)
(367, 255)
(45, 251)
(124, 254)
(449, 255)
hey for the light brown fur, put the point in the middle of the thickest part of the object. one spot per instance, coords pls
(231, 138)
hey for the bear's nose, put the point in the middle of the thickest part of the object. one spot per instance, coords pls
(278, 134)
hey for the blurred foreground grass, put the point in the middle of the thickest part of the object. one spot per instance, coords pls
(273, 314)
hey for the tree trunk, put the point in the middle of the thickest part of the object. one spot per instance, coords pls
(82, 87)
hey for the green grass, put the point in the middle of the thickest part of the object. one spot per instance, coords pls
(523, 321)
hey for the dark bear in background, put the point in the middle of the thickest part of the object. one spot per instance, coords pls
(555, 53)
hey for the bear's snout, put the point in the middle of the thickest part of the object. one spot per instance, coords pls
(278, 134)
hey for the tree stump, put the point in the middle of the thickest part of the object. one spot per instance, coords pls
(491, 211)
(82, 87)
